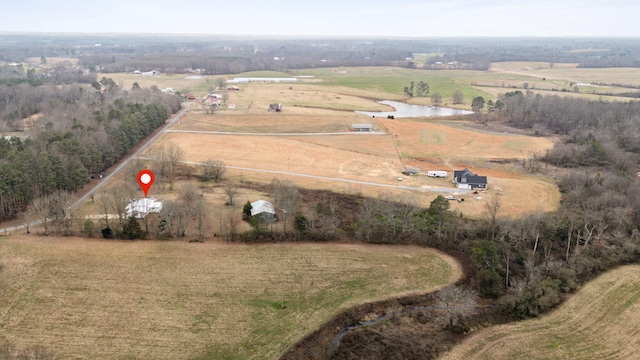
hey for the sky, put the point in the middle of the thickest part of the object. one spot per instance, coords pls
(393, 18)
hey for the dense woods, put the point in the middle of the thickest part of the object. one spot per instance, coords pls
(70, 134)
(230, 55)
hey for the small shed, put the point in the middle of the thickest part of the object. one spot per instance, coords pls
(408, 171)
(265, 209)
(275, 107)
(140, 208)
(361, 127)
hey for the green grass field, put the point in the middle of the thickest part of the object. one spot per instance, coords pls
(393, 80)
(95, 299)
(599, 322)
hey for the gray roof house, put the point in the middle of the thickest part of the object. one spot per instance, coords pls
(465, 179)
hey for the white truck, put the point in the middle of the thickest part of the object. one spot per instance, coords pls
(437, 173)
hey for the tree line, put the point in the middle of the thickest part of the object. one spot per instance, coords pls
(525, 265)
(78, 133)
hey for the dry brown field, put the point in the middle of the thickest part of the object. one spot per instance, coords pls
(311, 107)
(101, 299)
(365, 158)
(599, 322)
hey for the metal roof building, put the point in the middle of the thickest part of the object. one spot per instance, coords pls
(361, 127)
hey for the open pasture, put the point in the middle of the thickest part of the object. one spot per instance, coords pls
(175, 300)
(598, 322)
(450, 141)
(316, 109)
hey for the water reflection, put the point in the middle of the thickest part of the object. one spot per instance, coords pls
(406, 110)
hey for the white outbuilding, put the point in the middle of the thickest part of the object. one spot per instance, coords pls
(140, 208)
(264, 209)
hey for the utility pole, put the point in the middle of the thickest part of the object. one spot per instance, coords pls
(285, 221)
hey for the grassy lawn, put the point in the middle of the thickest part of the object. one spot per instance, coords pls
(599, 322)
(176, 300)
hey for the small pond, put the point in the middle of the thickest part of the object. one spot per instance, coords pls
(406, 110)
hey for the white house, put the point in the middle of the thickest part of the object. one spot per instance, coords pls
(140, 208)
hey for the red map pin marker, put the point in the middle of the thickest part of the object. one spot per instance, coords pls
(145, 180)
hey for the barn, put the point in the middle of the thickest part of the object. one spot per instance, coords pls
(361, 127)
(265, 209)
(465, 179)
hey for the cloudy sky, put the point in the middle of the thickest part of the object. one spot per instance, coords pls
(413, 18)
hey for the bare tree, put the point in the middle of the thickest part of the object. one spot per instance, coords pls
(232, 223)
(231, 189)
(221, 82)
(25, 221)
(174, 156)
(492, 207)
(458, 97)
(436, 99)
(104, 201)
(40, 209)
(188, 194)
(53, 209)
(212, 170)
(455, 302)
(286, 198)
(388, 218)
(62, 216)
(166, 159)
(120, 196)
(201, 216)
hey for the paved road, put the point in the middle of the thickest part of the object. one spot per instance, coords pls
(118, 168)
(133, 155)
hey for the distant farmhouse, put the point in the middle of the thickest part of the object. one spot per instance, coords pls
(265, 209)
(140, 208)
(361, 127)
(465, 179)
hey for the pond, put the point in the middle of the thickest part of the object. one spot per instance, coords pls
(406, 110)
